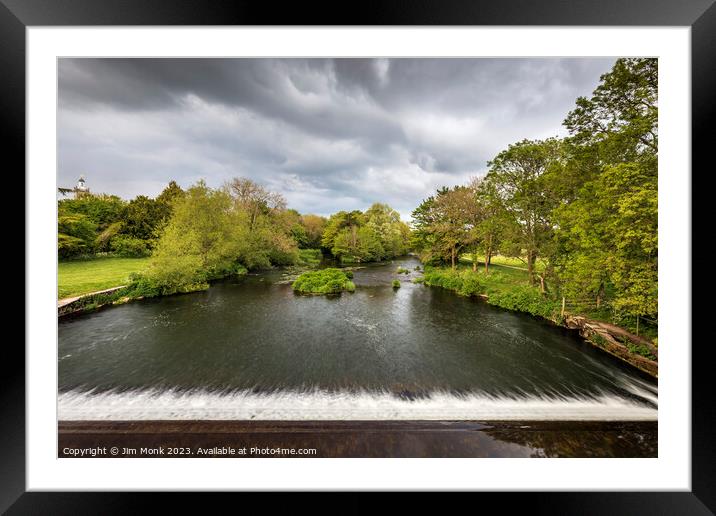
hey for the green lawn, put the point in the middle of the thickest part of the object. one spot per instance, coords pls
(77, 277)
(504, 260)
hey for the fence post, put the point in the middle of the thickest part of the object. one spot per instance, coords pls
(562, 306)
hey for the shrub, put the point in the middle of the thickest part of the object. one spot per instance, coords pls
(526, 299)
(465, 283)
(324, 281)
(309, 256)
(130, 247)
(396, 283)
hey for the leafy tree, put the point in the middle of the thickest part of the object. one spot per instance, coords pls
(519, 175)
(375, 235)
(313, 226)
(100, 209)
(446, 223)
(620, 119)
(608, 219)
(494, 222)
(141, 217)
(75, 234)
(341, 235)
(391, 232)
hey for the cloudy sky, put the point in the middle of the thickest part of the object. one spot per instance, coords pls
(329, 134)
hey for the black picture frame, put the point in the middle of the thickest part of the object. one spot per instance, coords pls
(700, 15)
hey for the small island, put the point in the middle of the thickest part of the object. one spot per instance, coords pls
(324, 281)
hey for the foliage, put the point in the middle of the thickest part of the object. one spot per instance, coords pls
(213, 233)
(500, 290)
(92, 222)
(396, 283)
(608, 231)
(464, 282)
(324, 281)
(520, 176)
(526, 299)
(313, 226)
(129, 247)
(354, 237)
(75, 234)
(311, 257)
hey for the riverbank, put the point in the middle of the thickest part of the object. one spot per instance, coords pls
(81, 277)
(505, 286)
(90, 283)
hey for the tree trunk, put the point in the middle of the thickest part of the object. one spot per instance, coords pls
(488, 255)
(452, 257)
(474, 261)
(531, 266)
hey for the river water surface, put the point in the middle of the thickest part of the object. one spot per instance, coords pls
(249, 348)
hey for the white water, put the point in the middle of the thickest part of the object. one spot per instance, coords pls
(323, 405)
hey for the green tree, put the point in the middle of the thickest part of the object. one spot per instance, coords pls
(313, 226)
(86, 224)
(198, 244)
(75, 234)
(520, 178)
(608, 217)
(141, 217)
(494, 223)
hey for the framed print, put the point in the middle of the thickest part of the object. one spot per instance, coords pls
(429, 240)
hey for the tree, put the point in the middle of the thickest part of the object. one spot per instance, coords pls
(254, 199)
(391, 232)
(519, 178)
(620, 119)
(494, 223)
(446, 223)
(215, 232)
(166, 199)
(75, 234)
(86, 224)
(608, 224)
(341, 235)
(313, 226)
(375, 235)
(141, 217)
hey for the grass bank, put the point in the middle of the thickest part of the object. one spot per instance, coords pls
(504, 286)
(77, 277)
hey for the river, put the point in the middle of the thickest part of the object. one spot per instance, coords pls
(250, 348)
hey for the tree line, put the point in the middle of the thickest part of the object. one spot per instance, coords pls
(91, 224)
(584, 205)
(199, 234)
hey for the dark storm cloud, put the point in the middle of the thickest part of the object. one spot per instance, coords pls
(329, 134)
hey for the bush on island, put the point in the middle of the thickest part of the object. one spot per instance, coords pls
(324, 281)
